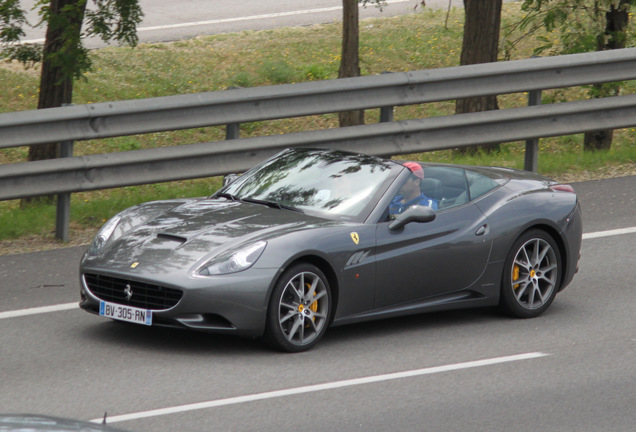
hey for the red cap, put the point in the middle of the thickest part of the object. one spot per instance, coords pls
(415, 169)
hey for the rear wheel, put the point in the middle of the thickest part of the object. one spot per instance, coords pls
(531, 275)
(299, 309)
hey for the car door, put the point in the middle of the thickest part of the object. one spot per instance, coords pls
(428, 259)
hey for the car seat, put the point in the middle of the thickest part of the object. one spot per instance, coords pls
(432, 188)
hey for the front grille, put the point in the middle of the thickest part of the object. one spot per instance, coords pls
(145, 296)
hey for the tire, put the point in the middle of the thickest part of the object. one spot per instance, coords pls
(299, 309)
(531, 275)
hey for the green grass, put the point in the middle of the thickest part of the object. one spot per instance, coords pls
(248, 59)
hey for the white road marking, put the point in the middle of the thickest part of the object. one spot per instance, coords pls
(39, 310)
(608, 233)
(318, 387)
(230, 20)
(236, 19)
(69, 306)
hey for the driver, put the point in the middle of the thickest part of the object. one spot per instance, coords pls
(410, 193)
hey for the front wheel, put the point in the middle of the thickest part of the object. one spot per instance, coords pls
(299, 309)
(531, 275)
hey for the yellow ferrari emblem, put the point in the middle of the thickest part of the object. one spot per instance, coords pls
(355, 237)
(134, 265)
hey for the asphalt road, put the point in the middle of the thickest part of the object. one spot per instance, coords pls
(168, 20)
(458, 371)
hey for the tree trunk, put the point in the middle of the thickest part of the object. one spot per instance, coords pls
(616, 21)
(480, 45)
(56, 83)
(350, 61)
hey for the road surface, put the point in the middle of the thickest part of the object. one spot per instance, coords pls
(571, 369)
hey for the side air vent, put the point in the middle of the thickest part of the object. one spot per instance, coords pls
(358, 257)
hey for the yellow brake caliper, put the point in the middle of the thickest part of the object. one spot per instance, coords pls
(515, 276)
(314, 306)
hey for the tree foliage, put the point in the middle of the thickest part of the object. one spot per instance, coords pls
(12, 20)
(580, 26)
(68, 23)
(64, 56)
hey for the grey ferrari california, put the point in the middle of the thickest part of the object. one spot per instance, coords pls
(313, 238)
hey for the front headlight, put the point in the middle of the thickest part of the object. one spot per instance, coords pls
(234, 262)
(103, 236)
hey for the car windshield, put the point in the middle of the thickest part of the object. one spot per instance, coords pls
(326, 182)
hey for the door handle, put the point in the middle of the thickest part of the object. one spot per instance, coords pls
(482, 230)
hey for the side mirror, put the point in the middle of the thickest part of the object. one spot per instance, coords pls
(418, 213)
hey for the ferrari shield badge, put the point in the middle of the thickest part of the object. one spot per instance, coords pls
(355, 237)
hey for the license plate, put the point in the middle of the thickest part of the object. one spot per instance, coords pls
(125, 313)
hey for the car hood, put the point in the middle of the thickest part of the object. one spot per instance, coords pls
(197, 231)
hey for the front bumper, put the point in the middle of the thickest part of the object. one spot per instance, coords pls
(573, 233)
(233, 304)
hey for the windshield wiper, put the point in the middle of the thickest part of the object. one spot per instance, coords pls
(288, 207)
(272, 204)
(226, 196)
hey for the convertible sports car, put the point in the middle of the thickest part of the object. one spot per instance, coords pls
(311, 238)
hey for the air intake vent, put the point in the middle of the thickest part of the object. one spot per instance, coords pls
(145, 296)
(172, 237)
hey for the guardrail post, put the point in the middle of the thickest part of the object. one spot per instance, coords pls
(386, 114)
(63, 211)
(531, 162)
(232, 129)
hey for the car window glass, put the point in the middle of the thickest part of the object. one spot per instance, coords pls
(413, 191)
(338, 184)
(479, 184)
(446, 185)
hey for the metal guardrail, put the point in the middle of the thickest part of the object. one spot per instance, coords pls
(400, 137)
(110, 119)
(231, 107)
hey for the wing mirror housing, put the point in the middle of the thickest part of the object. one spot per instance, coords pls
(419, 214)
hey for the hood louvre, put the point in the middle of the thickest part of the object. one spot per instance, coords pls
(172, 237)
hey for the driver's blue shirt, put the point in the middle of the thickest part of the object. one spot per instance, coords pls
(397, 206)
